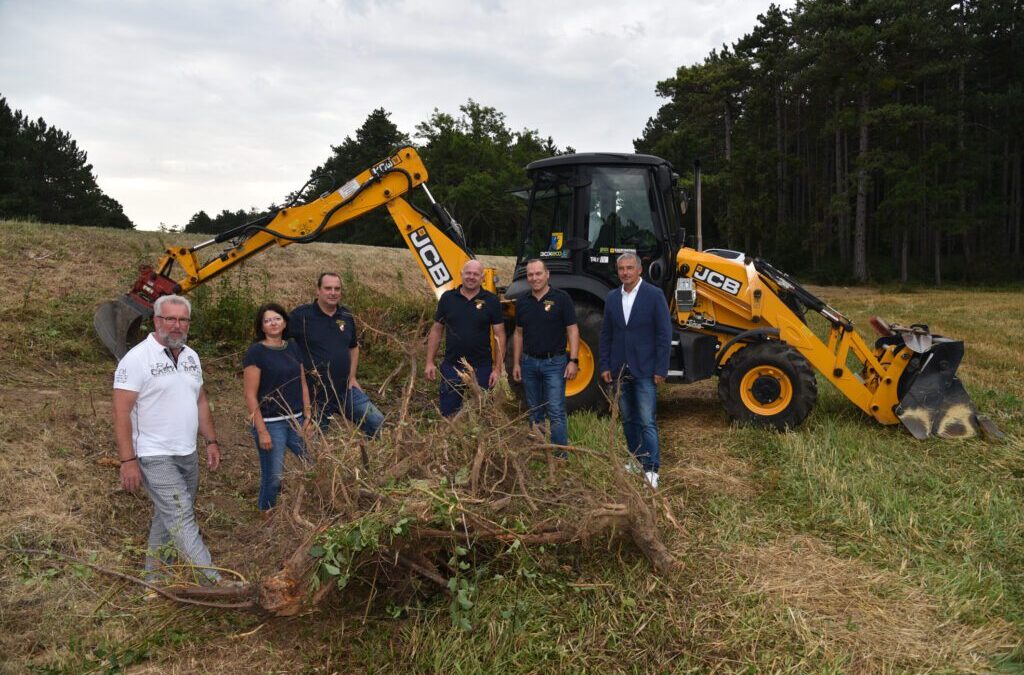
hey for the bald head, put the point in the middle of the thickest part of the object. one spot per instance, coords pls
(472, 276)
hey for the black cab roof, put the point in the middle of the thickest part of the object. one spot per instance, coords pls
(601, 158)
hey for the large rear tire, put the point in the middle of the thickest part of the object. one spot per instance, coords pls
(586, 391)
(768, 384)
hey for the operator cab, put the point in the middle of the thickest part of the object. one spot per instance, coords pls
(584, 210)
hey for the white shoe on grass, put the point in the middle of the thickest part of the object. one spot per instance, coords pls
(652, 479)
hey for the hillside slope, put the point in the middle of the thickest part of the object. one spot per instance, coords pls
(841, 546)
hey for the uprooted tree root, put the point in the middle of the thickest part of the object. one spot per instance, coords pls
(424, 500)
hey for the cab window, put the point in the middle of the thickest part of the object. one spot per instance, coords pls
(622, 216)
(549, 218)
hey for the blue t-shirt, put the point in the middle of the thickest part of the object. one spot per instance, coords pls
(280, 390)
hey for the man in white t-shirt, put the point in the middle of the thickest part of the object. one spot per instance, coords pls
(159, 406)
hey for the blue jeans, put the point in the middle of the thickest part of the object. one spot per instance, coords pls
(451, 388)
(358, 409)
(638, 397)
(544, 382)
(282, 434)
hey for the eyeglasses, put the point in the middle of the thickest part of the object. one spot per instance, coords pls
(175, 320)
(273, 319)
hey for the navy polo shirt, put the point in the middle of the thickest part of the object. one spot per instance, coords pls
(544, 321)
(324, 340)
(467, 324)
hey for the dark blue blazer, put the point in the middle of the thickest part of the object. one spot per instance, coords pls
(644, 344)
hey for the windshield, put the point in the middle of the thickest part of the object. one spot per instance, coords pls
(621, 214)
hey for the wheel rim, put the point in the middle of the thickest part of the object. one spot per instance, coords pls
(585, 374)
(766, 390)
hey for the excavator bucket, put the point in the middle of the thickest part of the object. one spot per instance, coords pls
(117, 324)
(933, 400)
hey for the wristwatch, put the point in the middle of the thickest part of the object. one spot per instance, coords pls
(572, 360)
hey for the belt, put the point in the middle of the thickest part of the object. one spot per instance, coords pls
(546, 355)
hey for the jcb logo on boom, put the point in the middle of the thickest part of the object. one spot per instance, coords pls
(436, 268)
(385, 166)
(717, 279)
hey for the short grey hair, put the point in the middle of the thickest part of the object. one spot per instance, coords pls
(171, 300)
(628, 255)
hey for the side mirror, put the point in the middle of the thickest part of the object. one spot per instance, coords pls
(684, 201)
(656, 272)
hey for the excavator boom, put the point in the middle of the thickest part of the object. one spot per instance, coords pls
(440, 249)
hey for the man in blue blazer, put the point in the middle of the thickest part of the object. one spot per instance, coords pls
(636, 336)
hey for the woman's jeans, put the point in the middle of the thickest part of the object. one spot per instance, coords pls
(283, 433)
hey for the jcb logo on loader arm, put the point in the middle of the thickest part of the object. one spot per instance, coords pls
(717, 279)
(438, 271)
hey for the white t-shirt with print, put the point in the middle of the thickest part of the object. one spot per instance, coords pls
(165, 419)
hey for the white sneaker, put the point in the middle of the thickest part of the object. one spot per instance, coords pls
(652, 479)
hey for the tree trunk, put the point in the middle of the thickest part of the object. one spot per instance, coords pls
(1015, 201)
(780, 169)
(860, 226)
(904, 237)
(842, 215)
(937, 258)
(728, 133)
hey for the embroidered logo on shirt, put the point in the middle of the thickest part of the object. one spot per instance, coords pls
(548, 304)
(341, 324)
(479, 304)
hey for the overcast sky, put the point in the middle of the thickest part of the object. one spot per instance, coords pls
(228, 104)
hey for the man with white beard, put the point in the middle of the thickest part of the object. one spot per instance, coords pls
(159, 405)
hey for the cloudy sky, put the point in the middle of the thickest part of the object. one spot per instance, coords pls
(228, 104)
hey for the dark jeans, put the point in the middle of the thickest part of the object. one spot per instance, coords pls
(452, 389)
(638, 399)
(358, 409)
(544, 383)
(283, 434)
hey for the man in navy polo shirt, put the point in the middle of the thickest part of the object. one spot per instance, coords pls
(326, 334)
(467, 316)
(544, 318)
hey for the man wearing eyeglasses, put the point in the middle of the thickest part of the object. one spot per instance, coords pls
(159, 406)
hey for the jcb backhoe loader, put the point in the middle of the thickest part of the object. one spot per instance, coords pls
(738, 318)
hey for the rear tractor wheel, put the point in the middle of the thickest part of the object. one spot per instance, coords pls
(768, 384)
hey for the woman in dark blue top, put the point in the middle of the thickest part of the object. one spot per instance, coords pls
(277, 398)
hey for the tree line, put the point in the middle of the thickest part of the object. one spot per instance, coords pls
(860, 139)
(44, 175)
(843, 140)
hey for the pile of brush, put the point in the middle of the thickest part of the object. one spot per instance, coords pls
(428, 497)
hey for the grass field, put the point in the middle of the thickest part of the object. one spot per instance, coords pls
(843, 546)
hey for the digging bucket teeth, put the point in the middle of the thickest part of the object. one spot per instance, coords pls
(933, 401)
(117, 324)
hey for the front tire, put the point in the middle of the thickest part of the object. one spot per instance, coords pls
(768, 384)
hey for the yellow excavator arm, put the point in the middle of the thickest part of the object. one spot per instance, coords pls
(440, 250)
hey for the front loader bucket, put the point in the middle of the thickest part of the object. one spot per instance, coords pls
(933, 401)
(117, 324)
